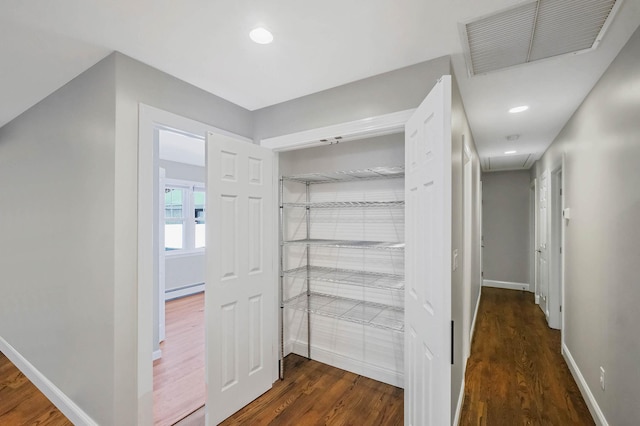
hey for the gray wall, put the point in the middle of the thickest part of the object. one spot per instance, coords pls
(382, 94)
(175, 170)
(505, 212)
(57, 228)
(463, 298)
(601, 144)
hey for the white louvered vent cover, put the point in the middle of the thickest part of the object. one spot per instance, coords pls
(536, 30)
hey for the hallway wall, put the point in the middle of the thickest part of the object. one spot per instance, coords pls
(505, 213)
(57, 251)
(601, 145)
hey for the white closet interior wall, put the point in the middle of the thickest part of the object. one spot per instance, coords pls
(362, 349)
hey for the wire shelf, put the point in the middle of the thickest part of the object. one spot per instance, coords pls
(348, 175)
(378, 245)
(367, 313)
(347, 204)
(349, 276)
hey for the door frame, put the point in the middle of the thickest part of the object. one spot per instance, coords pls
(467, 246)
(555, 238)
(533, 238)
(149, 119)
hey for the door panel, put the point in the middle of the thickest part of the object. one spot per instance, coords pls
(428, 259)
(240, 297)
(543, 261)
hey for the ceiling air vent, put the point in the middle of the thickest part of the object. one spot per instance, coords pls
(535, 30)
(508, 162)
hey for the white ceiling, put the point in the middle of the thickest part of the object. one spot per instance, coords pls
(318, 45)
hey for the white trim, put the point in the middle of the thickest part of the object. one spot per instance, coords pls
(58, 398)
(506, 284)
(456, 418)
(342, 362)
(349, 131)
(592, 404)
(475, 317)
(183, 291)
(537, 299)
(157, 354)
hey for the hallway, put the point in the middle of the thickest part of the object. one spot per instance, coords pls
(516, 373)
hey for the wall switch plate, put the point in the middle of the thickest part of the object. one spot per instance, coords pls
(602, 378)
(566, 213)
(455, 260)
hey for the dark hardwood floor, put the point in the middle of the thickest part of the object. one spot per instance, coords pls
(317, 394)
(516, 374)
(21, 403)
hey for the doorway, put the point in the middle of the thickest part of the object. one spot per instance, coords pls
(556, 250)
(185, 202)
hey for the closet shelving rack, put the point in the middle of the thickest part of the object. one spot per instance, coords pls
(357, 311)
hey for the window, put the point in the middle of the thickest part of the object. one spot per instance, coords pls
(184, 216)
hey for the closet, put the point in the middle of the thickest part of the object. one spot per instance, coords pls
(342, 256)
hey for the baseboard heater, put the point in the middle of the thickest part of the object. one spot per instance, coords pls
(186, 290)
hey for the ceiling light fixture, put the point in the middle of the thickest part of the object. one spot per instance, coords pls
(517, 109)
(510, 152)
(261, 35)
(512, 138)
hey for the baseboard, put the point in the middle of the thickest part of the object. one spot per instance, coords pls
(353, 365)
(456, 418)
(506, 284)
(69, 408)
(537, 299)
(157, 354)
(473, 321)
(187, 290)
(592, 404)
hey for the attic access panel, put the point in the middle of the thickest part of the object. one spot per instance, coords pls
(534, 31)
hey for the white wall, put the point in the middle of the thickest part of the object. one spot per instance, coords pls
(602, 187)
(506, 213)
(57, 230)
(359, 348)
(183, 270)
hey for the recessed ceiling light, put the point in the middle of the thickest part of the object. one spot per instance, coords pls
(512, 138)
(518, 109)
(261, 35)
(510, 152)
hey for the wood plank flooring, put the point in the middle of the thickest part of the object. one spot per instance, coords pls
(178, 377)
(516, 374)
(318, 394)
(21, 403)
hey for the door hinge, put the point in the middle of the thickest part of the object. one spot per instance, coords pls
(560, 191)
(452, 334)
(560, 250)
(560, 308)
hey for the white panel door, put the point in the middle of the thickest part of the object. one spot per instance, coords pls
(543, 235)
(428, 260)
(162, 285)
(240, 283)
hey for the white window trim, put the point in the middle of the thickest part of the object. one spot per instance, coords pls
(189, 219)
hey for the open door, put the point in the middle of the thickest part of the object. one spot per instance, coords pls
(543, 233)
(428, 260)
(240, 282)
